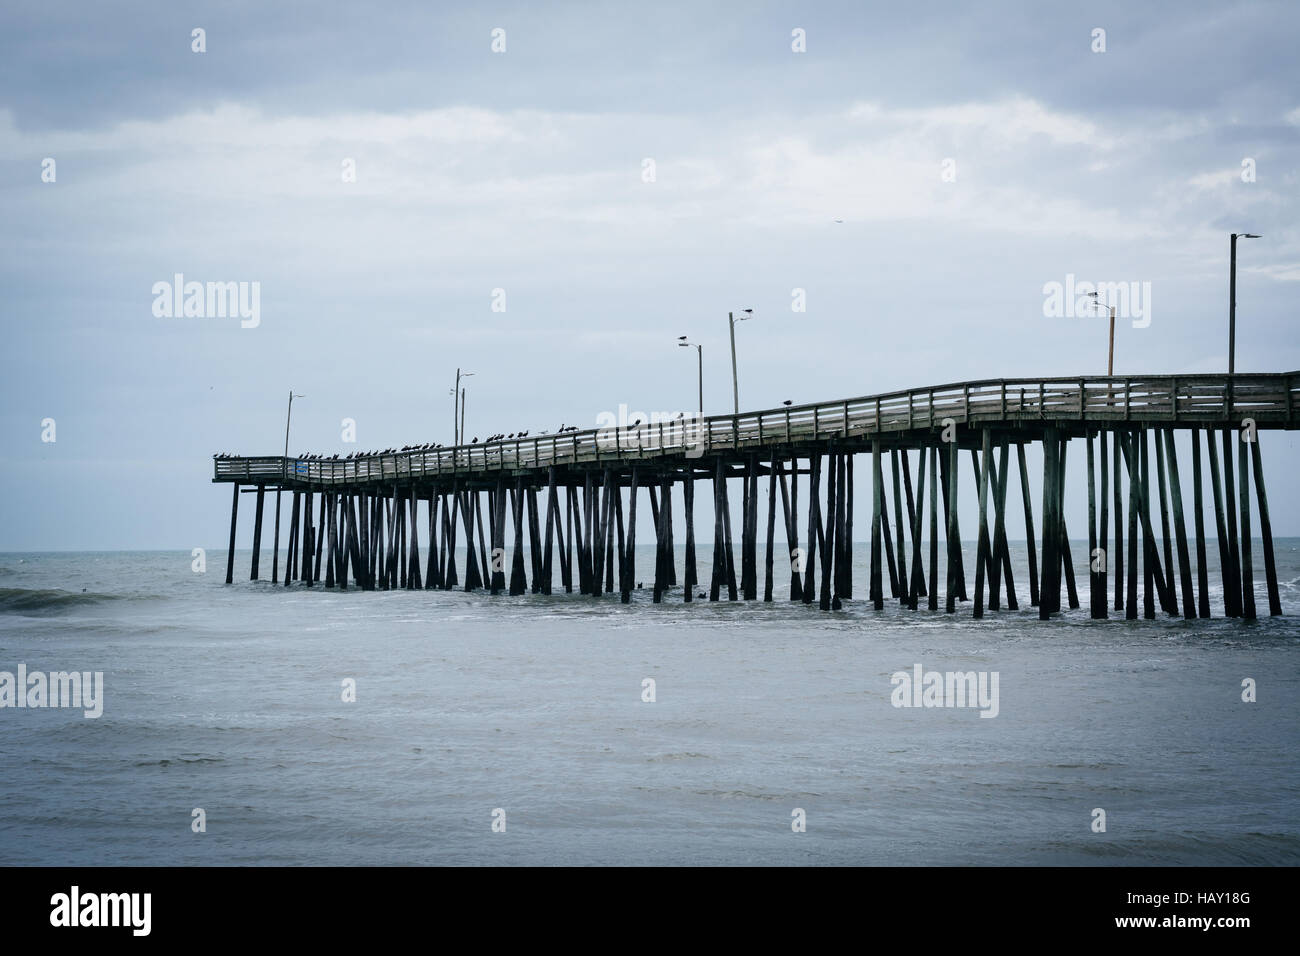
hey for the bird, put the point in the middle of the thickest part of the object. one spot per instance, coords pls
(787, 402)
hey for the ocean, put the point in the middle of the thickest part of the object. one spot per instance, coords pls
(528, 713)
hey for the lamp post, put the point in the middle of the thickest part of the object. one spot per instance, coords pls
(284, 466)
(699, 352)
(457, 412)
(1110, 354)
(1232, 300)
(735, 386)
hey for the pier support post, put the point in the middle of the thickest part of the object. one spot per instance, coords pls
(1198, 509)
(1266, 531)
(690, 575)
(234, 519)
(954, 536)
(982, 545)
(629, 573)
(1180, 530)
(719, 536)
(1247, 561)
(769, 553)
(257, 532)
(877, 583)
(900, 584)
(1232, 570)
(814, 523)
(1096, 570)
(1118, 562)
(935, 452)
(916, 511)
(790, 513)
(1025, 494)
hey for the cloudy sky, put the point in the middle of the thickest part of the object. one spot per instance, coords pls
(526, 171)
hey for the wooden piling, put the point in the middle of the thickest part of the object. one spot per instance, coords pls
(1247, 561)
(1266, 531)
(234, 519)
(982, 546)
(1118, 563)
(690, 577)
(257, 532)
(1202, 569)
(954, 539)
(719, 536)
(900, 585)
(934, 528)
(877, 584)
(769, 552)
(1096, 595)
(1180, 529)
(1232, 570)
(629, 574)
(814, 521)
(1029, 525)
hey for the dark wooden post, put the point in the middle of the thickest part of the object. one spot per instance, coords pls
(934, 527)
(1247, 561)
(915, 507)
(1000, 532)
(690, 577)
(1231, 571)
(769, 553)
(719, 536)
(1216, 492)
(917, 513)
(1202, 570)
(257, 532)
(877, 584)
(982, 546)
(1049, 597)
(902, 577)
(1134, 486)
(1118, 563)
(291, 551)
(814, 522)
(630, 551)
(1180, 530)
(1103, 521)
(230, 551)
(1067, 561)
(1029, 525)
(518, 579)
(954, 539)
(1266, 531)
(548, 548)
(1096, 589)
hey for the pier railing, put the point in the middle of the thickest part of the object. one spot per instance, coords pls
(1269, 398)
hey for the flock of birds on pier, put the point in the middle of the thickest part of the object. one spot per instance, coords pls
(431, 446)
(428, 446)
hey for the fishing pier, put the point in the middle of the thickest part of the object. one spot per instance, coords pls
(573, 498)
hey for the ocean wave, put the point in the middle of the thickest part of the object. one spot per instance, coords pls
(47, 601)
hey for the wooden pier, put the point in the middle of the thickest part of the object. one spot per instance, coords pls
(360, 519)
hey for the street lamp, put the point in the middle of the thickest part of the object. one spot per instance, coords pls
(284, 466)
(746, 314)
(1232, 301)
(457, 413)
(1110, 355)
(699, 352)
